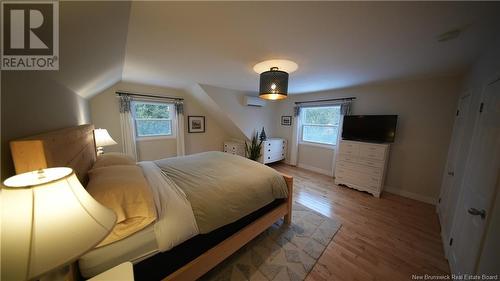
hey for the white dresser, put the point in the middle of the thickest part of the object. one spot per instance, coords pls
(362, 166)
(273, 149)
(234, 147)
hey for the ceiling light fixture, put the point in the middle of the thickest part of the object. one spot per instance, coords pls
(274, 78)
(273, 84)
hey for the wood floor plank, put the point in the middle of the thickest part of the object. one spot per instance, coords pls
(389, 238)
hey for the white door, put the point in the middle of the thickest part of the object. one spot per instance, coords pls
(479, 182)
(450, 188)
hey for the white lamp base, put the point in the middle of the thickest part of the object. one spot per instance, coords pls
(100, 150)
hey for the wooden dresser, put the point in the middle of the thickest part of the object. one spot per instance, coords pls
(362, 165)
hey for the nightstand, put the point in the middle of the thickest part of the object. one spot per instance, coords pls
(122, 272)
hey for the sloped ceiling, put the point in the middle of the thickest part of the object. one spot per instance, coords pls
(92, 45)
(336, 44)
(215, 111)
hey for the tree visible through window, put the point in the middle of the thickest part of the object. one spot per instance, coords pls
(320, 124)
(153, 119)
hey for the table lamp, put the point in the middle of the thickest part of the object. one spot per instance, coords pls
(48, 221)
(102, 138)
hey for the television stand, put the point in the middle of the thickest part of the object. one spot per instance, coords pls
(362, 165)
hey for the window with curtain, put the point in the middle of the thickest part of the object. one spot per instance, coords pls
(320, 125)
(153, 119)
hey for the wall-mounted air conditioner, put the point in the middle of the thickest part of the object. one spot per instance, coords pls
(253, 101)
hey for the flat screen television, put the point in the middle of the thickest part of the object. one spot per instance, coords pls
(369, 128)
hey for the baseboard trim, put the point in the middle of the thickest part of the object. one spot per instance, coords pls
(315, 169)
(411, 195)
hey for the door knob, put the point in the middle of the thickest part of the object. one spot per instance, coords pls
(476, 212)
(451, 173)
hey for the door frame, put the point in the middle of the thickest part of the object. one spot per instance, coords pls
(459, 219)
(457, 177)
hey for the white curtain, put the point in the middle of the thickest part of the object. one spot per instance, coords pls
(294, 144)
(179, 110)
(128, 127)
(345, 109)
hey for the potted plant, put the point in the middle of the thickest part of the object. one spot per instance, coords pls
(253, 149)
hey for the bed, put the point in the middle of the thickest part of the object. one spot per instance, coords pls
(187, 260)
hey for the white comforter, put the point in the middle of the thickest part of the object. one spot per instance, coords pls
(176, 222)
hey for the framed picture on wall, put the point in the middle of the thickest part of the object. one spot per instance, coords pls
(196, 124)
(286, 120)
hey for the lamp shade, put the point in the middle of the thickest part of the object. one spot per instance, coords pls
(102, 138)
(273, 84)
(48, 220)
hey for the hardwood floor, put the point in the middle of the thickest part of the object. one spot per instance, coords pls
(389, 238)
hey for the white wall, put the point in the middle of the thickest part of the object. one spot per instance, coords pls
(105, 114)
(248, 119)
(92, 48)
(316, 158)
(32, 104)
(426, 109)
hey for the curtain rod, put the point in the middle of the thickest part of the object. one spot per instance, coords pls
(339, 99)
(120, 93)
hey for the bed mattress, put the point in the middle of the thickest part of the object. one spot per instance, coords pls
(187, 192)
(162, 264)
(151, 264)
(134, 248)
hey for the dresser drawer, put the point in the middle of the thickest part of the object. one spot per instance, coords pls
(361, 165)
(363, 161)
(348, 158)
(273, 145)
(273, 150)
(372, 171)
(273, 154)
(237, 148)
(348, 148)
(372, 151)
(341, 172)
(372, 181)
(273, 158)
(370, 162)
(358, 175)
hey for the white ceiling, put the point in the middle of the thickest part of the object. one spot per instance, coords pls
(336, 44)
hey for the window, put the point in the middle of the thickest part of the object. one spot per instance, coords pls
(153, 119)
(320, 124)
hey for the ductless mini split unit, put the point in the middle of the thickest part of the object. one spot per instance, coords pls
(253, 101)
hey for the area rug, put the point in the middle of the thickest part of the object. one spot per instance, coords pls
(281, 252)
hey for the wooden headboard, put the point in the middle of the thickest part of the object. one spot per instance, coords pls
(72, 147)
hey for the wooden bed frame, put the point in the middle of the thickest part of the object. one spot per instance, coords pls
(74, 147)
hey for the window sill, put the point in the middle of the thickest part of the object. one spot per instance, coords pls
(326, 146)
(155, 138)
